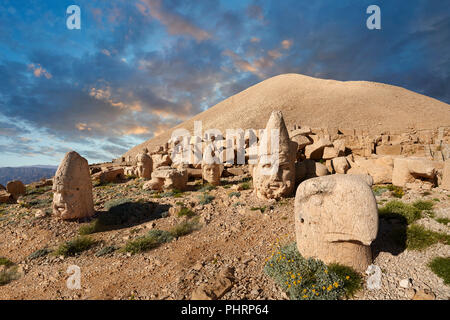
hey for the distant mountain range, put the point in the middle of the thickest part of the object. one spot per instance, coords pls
(26, 174)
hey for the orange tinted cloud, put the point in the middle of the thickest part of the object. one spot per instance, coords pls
(175, 23)
(38, 71)
(286, 44)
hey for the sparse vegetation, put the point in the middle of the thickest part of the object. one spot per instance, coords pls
(396, 209)
(39, 253)
(185, 212)
(184, 228)
(441, 267)
(443, 220)
(262, 209)
(9, 274)
(205, 198)
(150, 241)
(310, 279)
(246, 185)
(105, 251)
(6, 262)
(397, 192)
(419, 238)
(75, 246)
(379, 190)
(174, 193)
(206, 187)
(423, 205)
(234, 194)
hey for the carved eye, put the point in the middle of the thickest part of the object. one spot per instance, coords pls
(302, 220)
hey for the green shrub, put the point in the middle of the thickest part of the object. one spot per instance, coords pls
(234, 194)
(6, 262)
(172, 194)
(246, 186)
(104, 251)
(419, 238)
(441, 267)
(206, 187)
(379, 190)
(39, 253)
(423, 205)
(8, 275)
(303, 279)
(90, 228)
(399, 210)
(150, 241)
(443, 220)
(262, 209)
(396, 191)
(184, 228)
(185, 212)
(205, 198)
(352, 279)
(75, 246)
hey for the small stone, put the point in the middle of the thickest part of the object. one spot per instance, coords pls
(405, 283)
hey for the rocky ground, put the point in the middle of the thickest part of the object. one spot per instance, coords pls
(236, 237)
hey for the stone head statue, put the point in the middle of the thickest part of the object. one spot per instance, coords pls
(274, 175)
(211, 167)
(336, 219)
(144, 165)
(72, 188)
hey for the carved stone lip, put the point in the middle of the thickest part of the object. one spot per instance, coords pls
(347, 237)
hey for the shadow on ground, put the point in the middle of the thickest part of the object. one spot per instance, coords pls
(391, 236)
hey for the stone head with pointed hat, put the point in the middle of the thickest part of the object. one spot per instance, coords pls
(274, 175)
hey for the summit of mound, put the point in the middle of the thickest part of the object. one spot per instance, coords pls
(319, 103)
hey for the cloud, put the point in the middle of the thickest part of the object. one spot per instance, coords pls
(286, 44)
(38, 71)
(176, 24)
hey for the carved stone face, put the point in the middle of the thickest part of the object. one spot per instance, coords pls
(144, 166)
(211, 173)
(72, 188)
(279, 183)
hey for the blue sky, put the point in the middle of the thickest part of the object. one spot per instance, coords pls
(137, 68)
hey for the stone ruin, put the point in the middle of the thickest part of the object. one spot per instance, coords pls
(72, 189)
(336, 219)
(165, 178)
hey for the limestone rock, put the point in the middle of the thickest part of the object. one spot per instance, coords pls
(445, 184)
(315, 151)
(422, 294)
(161, 160)
(72, 188)
(302, 141)
(380, 169)
(407, 170)
(167, 178)
(16, 188)
(309, 169)
(215, 290)
(336, 220)
(331, 153)
(109, 175)
(6, 197)
(340, 165)
(389, 150)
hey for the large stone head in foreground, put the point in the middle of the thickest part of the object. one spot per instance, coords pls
(72, 188)
(274, 180)
(336, 219)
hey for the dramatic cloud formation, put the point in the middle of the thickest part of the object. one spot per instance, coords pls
(139, 67)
